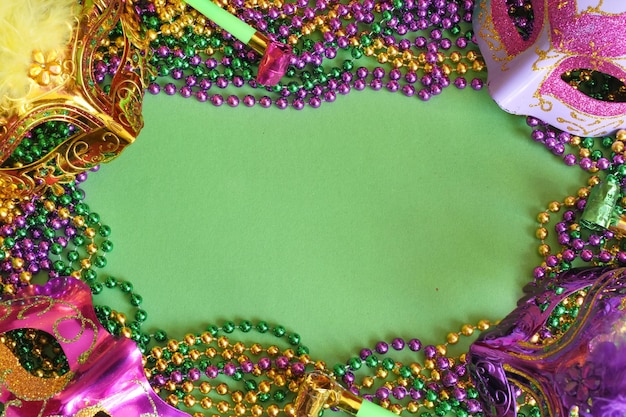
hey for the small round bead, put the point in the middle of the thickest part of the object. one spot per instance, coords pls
(382, 347)
(154, 88)
(424, 95)
(477, 84)
(398, 343)
(415, 345)
(217, 100)
(232, 101)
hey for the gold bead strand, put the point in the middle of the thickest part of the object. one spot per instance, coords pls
(271, 378)
(542, 233)
(391, 382)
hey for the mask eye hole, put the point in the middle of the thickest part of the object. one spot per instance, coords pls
(39, 352)
(597, 85)
(523, 17)
(56, 133)
(102, 414)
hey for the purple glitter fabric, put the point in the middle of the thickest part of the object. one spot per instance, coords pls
(565, 345)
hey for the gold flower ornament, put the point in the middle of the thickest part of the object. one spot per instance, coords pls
(57, 84)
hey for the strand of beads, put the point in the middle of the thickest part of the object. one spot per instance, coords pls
(418, 44)
(118, 322)
(208, 371)
(591, 154)
(38, 352)
(54, 234)
(39, 142)
(577, 246)
(317, 84)
(440, 385)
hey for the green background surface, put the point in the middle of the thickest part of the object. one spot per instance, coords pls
(373, 217)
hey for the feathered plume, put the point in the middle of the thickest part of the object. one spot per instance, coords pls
(26, 26)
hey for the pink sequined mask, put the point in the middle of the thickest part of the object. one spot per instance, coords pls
(105, 377)
(553, 62)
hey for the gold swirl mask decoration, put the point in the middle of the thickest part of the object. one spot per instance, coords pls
(64, 89)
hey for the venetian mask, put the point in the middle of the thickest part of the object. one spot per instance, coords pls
(103, 376)
(563, 349)
(61, 87)
(562, 61)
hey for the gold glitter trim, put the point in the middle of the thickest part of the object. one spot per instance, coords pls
(24, 385)
(150, 400)
(43, 305)
(11, 403)
(88, 412)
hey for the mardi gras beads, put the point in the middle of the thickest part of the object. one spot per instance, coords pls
(197, 57)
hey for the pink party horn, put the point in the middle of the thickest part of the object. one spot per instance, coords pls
(276, 55)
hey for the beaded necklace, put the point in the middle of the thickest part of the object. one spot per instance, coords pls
(197, 57)
(418, 46)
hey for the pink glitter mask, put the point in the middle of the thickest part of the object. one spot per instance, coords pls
(105, 377)
(526, 68)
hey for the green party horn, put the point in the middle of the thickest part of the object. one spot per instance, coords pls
(600, 206)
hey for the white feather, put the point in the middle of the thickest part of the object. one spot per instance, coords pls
(26, 26)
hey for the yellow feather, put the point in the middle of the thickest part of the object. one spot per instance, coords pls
(26, 26)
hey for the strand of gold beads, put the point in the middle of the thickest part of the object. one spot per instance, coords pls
(430, 371)
(61, 236)
(205, 349)
(175, 18)
(577, 245)
(211, 375)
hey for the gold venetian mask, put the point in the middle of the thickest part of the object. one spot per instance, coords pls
(62, 88)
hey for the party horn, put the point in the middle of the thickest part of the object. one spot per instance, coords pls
(276, 55)
(318, 391)
(599, 212)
